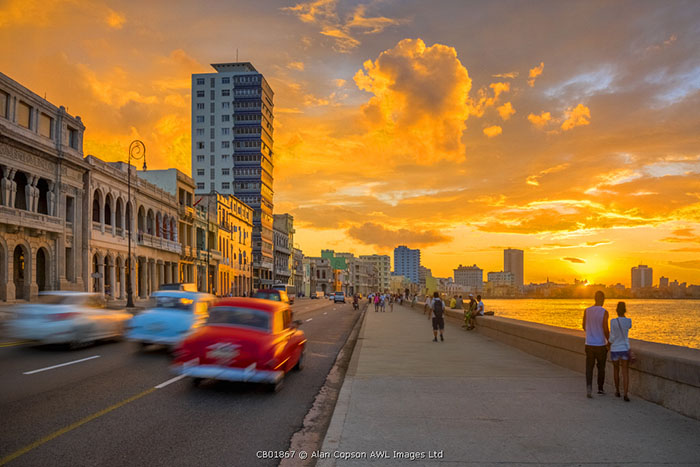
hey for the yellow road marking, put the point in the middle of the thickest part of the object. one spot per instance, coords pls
(71, 427)
(10, 344)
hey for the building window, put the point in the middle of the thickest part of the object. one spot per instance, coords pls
(200, 118)
(225, 131)
(46, 126)
(200, 81)
(225, 171)
(200, 131)
(225, 144)
(212, 186)
(212, 174)
(200, 93)
(225, 186)
(200, 186)
(225, 80)
(73, 138)
(24, 115)
(225, 105)
(224, 157)
(200, 158)
(200, 172)
(69, 209)
(225, 118)
(4, 101)
(200, 145)
(200, 106)
(225, 92)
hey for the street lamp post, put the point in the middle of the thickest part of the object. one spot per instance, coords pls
(137, 151)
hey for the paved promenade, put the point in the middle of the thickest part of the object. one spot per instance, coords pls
(473, 401)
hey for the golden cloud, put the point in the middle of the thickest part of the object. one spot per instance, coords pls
(534, 73)
(509, 75)
(297, 66)
(506, 110)
(374, 234)
(540, 121)
(418, 103)
(577, 116)
(534, 179)
(478, 106)
(692, 264)
(574, 260)
(115, 20)
(493, 131)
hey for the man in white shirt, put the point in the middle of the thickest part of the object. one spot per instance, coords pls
(595, 323)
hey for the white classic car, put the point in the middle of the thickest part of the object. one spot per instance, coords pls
(174, 315)
(74, 318)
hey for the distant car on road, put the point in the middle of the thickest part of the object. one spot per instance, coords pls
(288, 289)
(174, 314)
(62, 317)
(330, 297)
(272, 294)
(184, 286)
(246, 340)
(317, 295)
(339, 297)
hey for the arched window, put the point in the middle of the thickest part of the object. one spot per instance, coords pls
(108, 210)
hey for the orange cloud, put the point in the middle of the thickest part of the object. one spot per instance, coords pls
(534, 73)
(506, 110)
(374, 234)
(115, 20)
(534, 179)
(478, 106)
(418, 103)
(297, 66)
(509, 75)
(577, 116)
(540, 121)
(493, 131)
(574, 260)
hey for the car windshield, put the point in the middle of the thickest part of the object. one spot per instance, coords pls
(236, 316)
(174, 303)
(267, 296)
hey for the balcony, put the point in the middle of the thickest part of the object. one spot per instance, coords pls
(185, 212)
(147, 240)
(30, 220)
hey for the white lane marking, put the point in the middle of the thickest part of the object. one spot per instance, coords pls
(325, 312)
(170, 381)
(60, 365)
(309, 320)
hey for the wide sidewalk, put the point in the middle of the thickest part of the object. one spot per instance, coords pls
(481, 402)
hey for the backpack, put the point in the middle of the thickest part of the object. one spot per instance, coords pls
(438, 308)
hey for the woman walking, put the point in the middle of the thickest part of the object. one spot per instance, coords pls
(620, 349)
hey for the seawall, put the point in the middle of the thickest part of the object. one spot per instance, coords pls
(668, 375)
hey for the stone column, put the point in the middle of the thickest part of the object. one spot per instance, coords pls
(51, 199)
(143, 278)
(161, 274)
(13, 188)
(152, 274)
(175, 272)
(101, 280)
(29, 193)
(113, 280)
(122, 282)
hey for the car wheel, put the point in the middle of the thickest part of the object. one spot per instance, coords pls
(300, 363)
(196, 381)
(276, 387)
(80, 340)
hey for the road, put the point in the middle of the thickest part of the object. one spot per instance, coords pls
(117, 405)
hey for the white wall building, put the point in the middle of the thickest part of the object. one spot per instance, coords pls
(382, 263)
(471, 277)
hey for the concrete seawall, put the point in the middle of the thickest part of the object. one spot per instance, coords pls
(668, 375)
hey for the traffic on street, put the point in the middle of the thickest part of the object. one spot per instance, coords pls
(120, 402)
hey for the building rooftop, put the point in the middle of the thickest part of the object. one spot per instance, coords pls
(234, 66)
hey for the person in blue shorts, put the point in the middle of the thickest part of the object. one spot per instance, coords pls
(620, 349)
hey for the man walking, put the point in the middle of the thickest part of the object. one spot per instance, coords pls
(595, 323)
(436, 313)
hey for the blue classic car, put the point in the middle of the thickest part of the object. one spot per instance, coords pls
(174, 315)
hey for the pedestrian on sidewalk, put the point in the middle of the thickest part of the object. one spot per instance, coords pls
(620, 349)
(437, 312)
(428, 305)
(376, 303)
(392, 298)
(414, 301)
(383, 301)
(460, 303)
(595, 323)
(469, 320)
(480, 307)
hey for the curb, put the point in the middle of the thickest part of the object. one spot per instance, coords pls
(316, 422)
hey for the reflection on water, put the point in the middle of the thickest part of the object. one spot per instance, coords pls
(674, 322)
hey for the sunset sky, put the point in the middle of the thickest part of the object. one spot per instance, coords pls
(568, 129)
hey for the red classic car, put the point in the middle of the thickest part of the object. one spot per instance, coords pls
(244, 339)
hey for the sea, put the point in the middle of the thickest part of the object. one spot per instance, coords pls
(675, 322)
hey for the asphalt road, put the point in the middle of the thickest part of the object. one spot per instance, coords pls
(116, 407)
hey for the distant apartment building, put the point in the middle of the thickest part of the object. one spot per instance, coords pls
(407, 263)
(513, 263)
(283, 226)
(642, 276)
(501, 278)
(471, 277)
(232, 140)
(382, 264)
(663, 282)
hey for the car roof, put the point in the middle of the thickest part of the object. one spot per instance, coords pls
(255, 303)
(182, 294)
(69, 293)
(269, 291)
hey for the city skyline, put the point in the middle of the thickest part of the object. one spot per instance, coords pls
(582, 155)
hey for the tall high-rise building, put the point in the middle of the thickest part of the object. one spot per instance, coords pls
(232, 139)
(513, 263)
(642, 276)
(407, 263)
(383, 265)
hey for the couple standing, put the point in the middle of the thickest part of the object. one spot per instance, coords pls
(600, 338)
